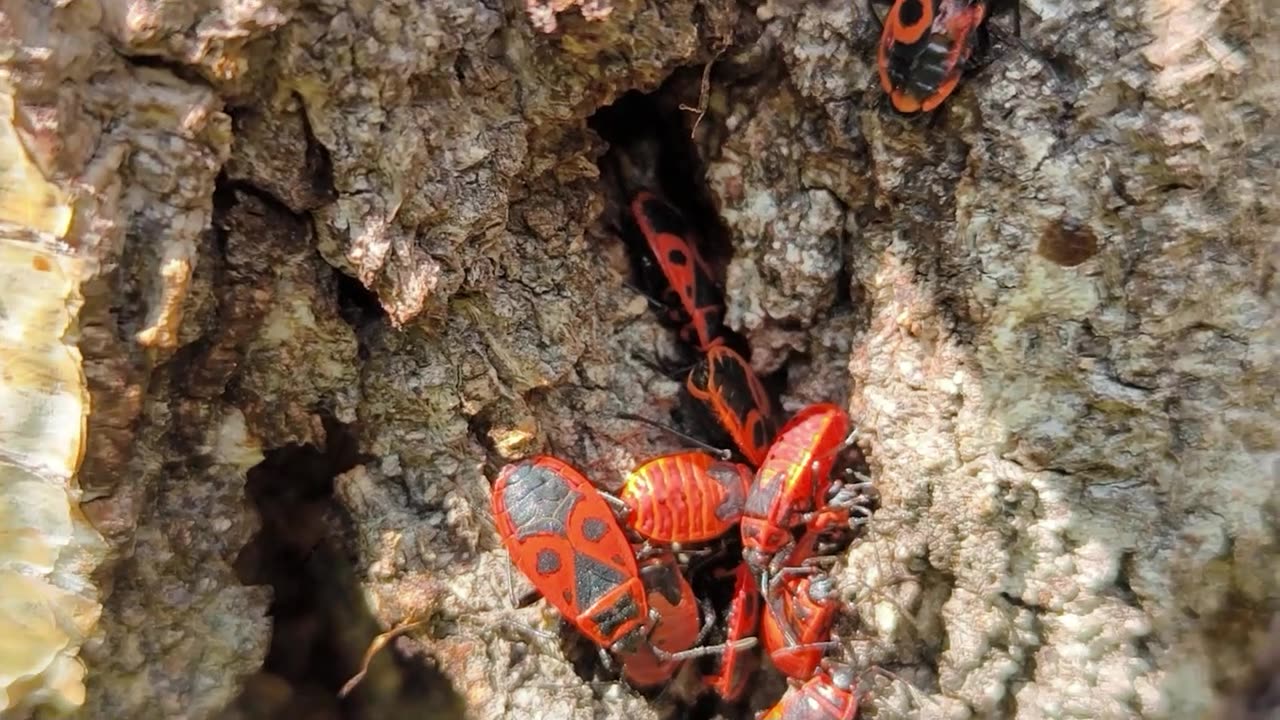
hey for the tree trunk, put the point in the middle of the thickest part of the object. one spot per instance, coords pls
(313, 271)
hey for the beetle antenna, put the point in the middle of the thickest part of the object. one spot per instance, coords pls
(722, 453)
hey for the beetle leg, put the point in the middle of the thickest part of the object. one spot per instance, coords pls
(620, 507)
(862, 487)
(524, 600)
(827, 517)
(770, 578)
(863, 516)
(648, 550)
(657, 366)
(799, 570)
(802, 647)
(607, 660)
(743, 644)
(654, 618)
(709, 619)
(773, 601)
(847, 496)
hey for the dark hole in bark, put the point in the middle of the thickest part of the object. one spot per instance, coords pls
(321, 626)
(359, 307)
(650, 132)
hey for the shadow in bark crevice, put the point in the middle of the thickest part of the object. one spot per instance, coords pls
(321, 624)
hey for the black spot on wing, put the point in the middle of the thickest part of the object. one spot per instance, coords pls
(910, 12)
(548, 562)
(592, 579)
(677, 256)
(593, 528)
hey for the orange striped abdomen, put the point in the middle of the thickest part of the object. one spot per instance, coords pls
(685, 497)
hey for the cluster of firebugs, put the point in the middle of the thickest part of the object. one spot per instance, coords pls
(612, 565)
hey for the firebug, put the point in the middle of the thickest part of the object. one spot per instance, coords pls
(925, 46)
(792, 481)
(676, 627)
(673, 271)
(734, 667)
(562, 534)
(828, 695)
(727, 397)
(796, 641)
(685, 497)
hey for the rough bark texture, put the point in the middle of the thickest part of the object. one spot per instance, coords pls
(340, 260)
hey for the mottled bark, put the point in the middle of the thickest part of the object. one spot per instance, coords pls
(324, 266)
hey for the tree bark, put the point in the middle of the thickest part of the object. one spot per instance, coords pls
(312, 271)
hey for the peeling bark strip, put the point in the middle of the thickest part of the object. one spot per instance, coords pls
(48, 550)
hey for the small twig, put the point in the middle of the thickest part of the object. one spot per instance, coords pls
(377, 644)
(704, 93)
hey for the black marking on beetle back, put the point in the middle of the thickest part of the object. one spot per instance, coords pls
(726, 475)
(677, 257)
(762, 433)
(926, 68)
(910, 12)
(592, 579)
(548, 561)
(661, 578)
(663, 218)
(616, 615)
(538, 501)
(707, 295)
(593, 528)
(733, 382)
(763, 494)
